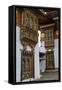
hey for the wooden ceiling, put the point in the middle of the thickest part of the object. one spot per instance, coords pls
(46, 15)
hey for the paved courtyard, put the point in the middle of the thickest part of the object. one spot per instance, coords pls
(50, 75)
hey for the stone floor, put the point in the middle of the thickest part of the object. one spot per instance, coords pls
(47, 75)
(50, 75)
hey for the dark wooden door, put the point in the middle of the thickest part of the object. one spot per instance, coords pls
(27, 66)
(50, 60)
(49, 38)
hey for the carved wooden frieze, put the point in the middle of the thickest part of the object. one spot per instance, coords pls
(27, 64)
(29, 36)
(47, 34)
(29, 28)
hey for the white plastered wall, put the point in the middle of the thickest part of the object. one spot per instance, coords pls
(18, 54)
(56, 53)
(36, 59)
(36, 62)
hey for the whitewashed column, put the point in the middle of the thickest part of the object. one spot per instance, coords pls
(18, 54)
(56, 53)
(36, 61)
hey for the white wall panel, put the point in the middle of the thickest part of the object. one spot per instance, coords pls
(56, 53)
(18, 54)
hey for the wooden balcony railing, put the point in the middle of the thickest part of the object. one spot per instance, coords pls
(28, 34)
(49, 43)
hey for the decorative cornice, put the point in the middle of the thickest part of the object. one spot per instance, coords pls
(47, 25)
(55, 18)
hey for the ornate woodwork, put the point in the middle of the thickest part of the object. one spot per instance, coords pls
(28, 24)
(28, 36)
(27, 65)
(49, 60)
(57, 28)
(18, 17)
(48, 37)
(30, 20)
